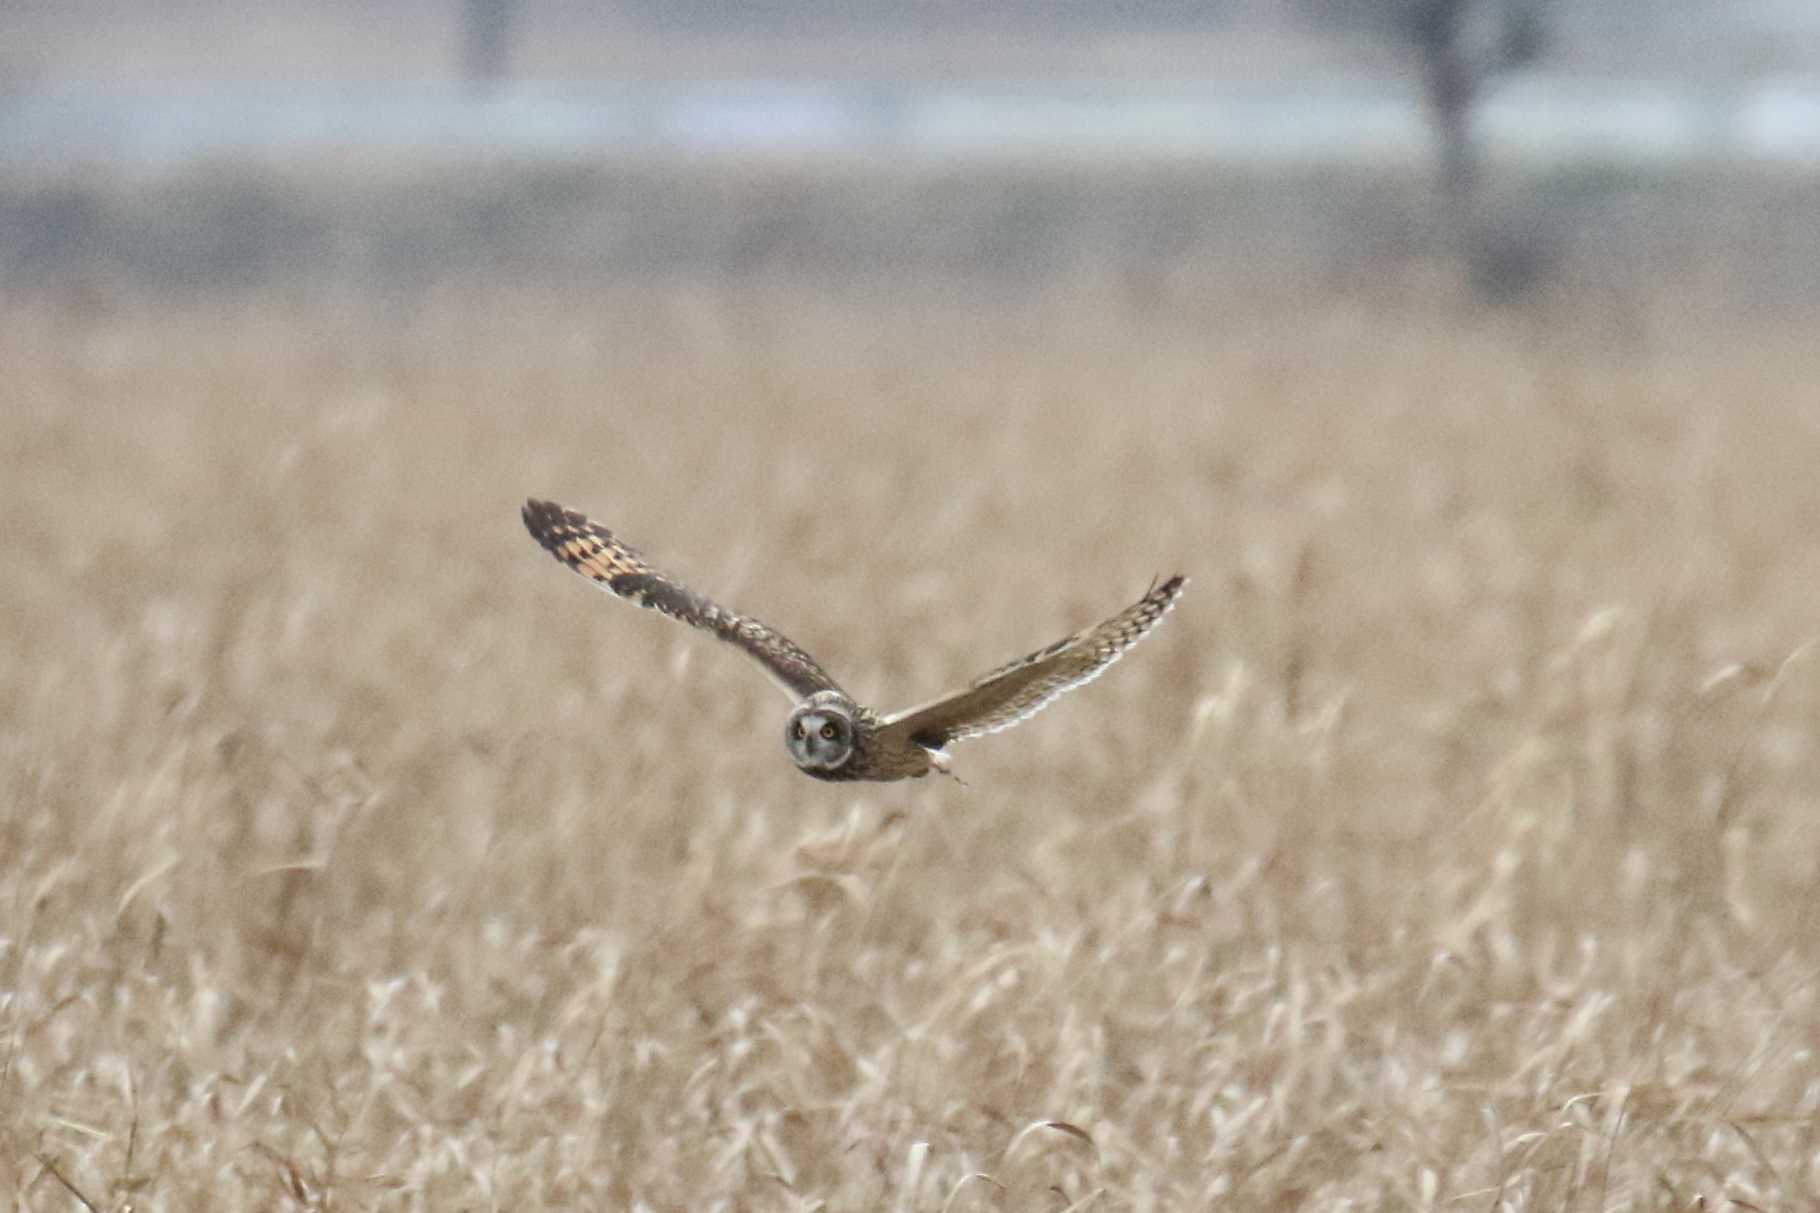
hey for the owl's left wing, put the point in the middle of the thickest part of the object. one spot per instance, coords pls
(1026, 686)
(599, 555)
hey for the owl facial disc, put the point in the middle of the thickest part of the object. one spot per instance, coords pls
(819, 735)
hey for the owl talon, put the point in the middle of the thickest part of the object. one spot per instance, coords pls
(942, 763)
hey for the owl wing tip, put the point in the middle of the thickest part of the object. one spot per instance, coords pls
(538, 514)
(1166, 591)
(548, 521)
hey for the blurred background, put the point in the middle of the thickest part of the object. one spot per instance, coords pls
(1453, 843)
(198, 143)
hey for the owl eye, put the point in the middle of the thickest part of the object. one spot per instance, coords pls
(796, 730)
(827, 732)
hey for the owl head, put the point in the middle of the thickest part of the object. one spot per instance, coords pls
(820, 733)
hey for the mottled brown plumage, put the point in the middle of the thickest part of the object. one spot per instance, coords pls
(597, 554)
(828, 734)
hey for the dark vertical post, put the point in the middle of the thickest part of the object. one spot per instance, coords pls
(486, 41)
(1449, 85)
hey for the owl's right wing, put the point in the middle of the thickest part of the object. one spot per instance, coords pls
(1026, 686)
(597, 554)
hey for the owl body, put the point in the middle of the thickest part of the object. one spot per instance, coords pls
(829, 735)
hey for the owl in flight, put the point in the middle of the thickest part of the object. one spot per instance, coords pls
(828, 734)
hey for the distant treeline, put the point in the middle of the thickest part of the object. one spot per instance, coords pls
(823, 15)
(820, 16)
(1159, 230)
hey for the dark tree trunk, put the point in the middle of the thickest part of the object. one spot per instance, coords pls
(1460, 46)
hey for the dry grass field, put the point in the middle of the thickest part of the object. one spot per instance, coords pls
(1453, 845)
